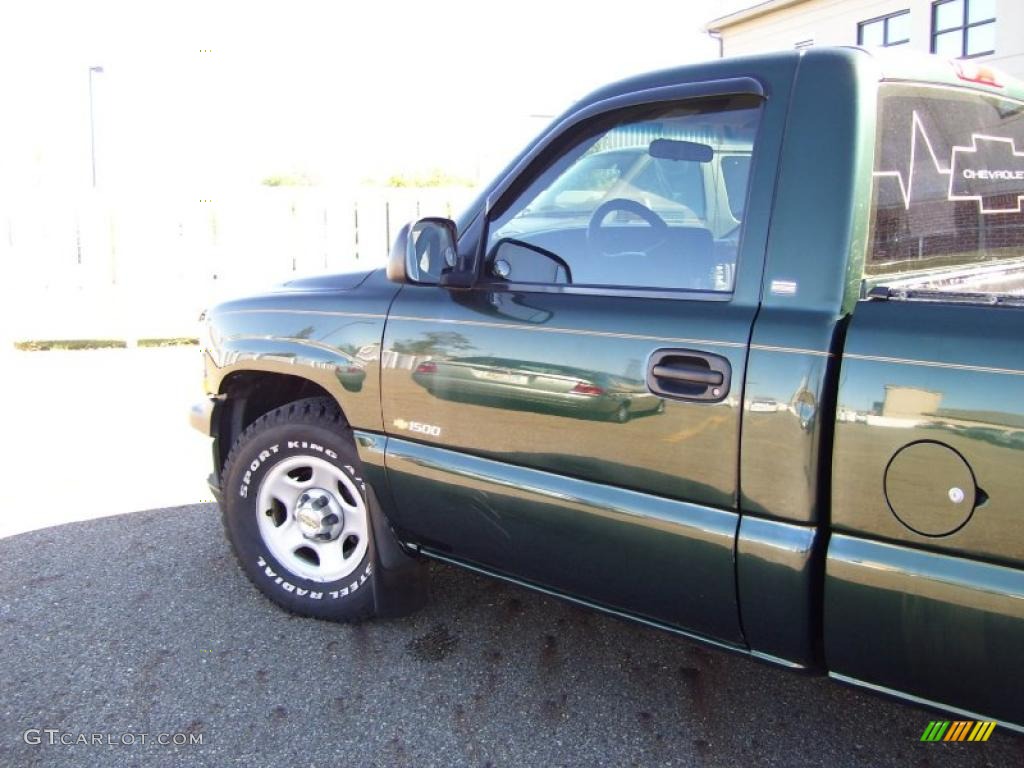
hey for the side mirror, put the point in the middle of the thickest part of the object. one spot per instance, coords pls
(422, 252)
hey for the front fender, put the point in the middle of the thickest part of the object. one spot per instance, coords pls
(332, 339)
(352, 381)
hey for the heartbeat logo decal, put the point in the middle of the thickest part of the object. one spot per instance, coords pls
(991, 167)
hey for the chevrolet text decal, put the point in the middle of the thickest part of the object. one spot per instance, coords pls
(990, 167)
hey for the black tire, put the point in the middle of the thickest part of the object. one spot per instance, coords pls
(312, 427)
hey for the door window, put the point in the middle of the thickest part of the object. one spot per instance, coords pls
(649, 198)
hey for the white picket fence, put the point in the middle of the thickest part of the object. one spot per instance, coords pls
(134, 267)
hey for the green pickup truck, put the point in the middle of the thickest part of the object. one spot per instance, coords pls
(735, 350)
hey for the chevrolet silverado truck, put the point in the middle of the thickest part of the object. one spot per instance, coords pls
(735, 350)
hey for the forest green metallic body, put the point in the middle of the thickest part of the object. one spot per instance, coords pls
(779, 569)
(940, 628)
(760, 523)
(686, 452)
(573, 536)
(940, 617)
(329, 337)
(950, 374)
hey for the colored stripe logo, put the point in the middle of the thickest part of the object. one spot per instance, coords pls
(958, 730)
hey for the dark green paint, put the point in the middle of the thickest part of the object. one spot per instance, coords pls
(330, 336)
(707, 519)
(779, 568)
(667, 561)
(371, 448)
(542, 388)
(687, 451)
(940, 628)
(818, 231)
(961, 384)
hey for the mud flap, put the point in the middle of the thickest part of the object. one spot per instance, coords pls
(400, 581)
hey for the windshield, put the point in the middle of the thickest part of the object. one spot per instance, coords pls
(672, 188)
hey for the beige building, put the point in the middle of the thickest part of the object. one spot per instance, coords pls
(986, 30)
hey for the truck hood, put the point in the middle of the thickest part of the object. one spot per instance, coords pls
(365, 291)
(345, 281)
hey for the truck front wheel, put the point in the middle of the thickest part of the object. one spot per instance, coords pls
(296, 514)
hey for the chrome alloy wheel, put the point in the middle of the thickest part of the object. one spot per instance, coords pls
(313, 518)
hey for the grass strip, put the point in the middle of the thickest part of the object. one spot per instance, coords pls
(175, 341)
(62, 344)
(43, 345)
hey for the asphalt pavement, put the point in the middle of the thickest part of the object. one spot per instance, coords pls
(119, 627)
(142, 624)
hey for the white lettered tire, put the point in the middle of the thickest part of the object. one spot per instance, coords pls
(296, 514)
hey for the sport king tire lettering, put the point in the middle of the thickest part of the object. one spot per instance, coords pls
(243, 489)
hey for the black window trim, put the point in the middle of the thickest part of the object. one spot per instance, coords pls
(963, 28)
(886, 43)
(554, 140)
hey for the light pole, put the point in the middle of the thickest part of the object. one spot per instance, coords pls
(92, 124)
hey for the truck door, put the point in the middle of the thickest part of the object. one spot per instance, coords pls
(925, 571)
(573, 420)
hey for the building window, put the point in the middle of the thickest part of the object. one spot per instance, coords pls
(885, 31)
(963, 28)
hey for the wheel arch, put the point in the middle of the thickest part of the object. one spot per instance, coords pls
(246, 395)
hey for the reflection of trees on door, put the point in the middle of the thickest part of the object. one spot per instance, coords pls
(409, 353)
(434, 343)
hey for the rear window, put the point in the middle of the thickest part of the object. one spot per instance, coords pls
(948, 201)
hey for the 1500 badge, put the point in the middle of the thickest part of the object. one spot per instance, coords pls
(418, 427)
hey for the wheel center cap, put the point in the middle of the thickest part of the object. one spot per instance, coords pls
(319, 515)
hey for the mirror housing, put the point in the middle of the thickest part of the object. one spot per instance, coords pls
(423, 252)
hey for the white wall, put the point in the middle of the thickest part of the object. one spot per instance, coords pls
(834, 22)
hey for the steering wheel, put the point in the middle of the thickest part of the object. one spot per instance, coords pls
(598, 239)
